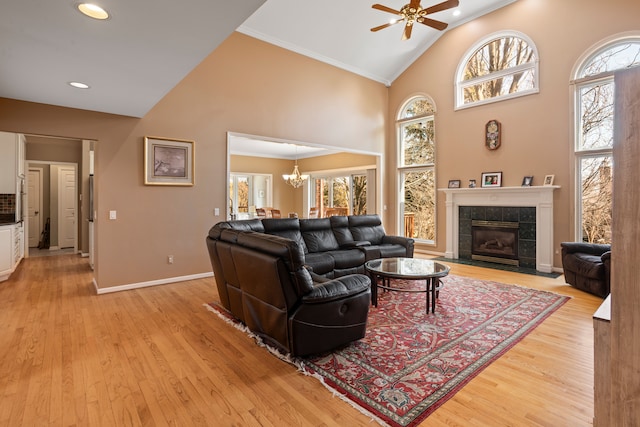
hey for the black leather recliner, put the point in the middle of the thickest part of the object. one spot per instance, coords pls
(587, 266)
(262, 280)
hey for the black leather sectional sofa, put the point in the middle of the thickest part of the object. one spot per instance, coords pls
(300, 283)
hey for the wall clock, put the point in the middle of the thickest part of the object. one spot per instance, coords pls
(492, 133)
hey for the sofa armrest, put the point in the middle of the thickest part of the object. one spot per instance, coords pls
(587, 248)
(398, 240)
(606, 257)
(336, 289)
(356, 244)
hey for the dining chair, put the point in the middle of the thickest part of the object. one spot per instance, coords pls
(313, 212)
(275, 213)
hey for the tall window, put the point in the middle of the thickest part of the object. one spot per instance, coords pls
(416, 169)
(594, 136)
(501, 66)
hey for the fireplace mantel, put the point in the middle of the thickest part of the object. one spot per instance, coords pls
(540, 197)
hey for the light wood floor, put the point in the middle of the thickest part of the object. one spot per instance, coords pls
(156, 356)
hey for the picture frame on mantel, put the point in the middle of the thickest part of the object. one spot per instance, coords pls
(168, 161)
(527, 181)
(548, 179)
(454, 183)
(491, 179)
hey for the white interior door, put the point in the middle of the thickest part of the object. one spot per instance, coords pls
(34, 204)
(67, 190)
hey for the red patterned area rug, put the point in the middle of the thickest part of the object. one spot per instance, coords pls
(411, 362)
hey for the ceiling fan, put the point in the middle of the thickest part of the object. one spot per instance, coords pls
(412, 13)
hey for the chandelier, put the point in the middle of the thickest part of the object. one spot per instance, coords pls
(295, 179)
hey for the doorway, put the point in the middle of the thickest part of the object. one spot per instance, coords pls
(52, 211)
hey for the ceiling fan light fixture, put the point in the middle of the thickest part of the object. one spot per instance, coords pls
(93, 11)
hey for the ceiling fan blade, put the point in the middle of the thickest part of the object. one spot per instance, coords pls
(406, 34)
(414, 4)
(442, 6)
(386, 9)
(438, 25)
(383, 26)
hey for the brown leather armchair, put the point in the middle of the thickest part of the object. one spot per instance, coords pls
(587, 266)
(262, 280)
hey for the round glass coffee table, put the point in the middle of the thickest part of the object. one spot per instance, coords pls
(383, 270)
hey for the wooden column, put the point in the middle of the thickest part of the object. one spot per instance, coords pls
(625, 278)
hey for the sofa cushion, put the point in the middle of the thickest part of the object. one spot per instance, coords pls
(318, 235)
(285, 227)
(585, 265)
(340, 227)
(320, 263)
(366, 227)
(347, 258)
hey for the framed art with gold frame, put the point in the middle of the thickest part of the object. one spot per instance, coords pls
(168, 161)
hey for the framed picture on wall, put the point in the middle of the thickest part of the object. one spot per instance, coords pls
(491, 179)
(168, 161)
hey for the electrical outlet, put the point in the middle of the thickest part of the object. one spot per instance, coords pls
(112, 215)
(216, 211)
(170, 259)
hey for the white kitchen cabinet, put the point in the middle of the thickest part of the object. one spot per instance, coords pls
(8, 163)
(11, 252)
(6, 251)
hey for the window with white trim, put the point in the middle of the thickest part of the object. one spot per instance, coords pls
(593, 148)
(501, 66)
(416, 169)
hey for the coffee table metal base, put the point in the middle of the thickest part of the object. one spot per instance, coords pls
(431, 290)
(382, 271)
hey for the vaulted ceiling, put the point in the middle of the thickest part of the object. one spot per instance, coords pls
(131, 60)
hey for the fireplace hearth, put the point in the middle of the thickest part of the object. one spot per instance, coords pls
(495, 241)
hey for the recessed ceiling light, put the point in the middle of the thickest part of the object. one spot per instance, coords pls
(93, 11)
(79, 85)
(456, 12)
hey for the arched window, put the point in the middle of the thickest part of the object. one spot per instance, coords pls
(593, 148)
(501, 66)
(416, 168)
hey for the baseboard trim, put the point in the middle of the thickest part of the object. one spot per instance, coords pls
(150, 283)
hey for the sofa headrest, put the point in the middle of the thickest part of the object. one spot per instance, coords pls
(367, 227)
(340, 226)
(287, 249)
(318, 235)
(364, 220)
(285, 227)
(242, 225)
(274, 225)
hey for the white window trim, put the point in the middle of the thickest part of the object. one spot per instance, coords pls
(577, 83)
(402, 169)
(461, 84)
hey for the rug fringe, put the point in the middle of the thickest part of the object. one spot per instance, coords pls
(298, 363)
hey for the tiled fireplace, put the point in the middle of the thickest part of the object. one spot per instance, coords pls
(530, 208)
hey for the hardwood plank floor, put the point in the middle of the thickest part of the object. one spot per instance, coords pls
(156, 356)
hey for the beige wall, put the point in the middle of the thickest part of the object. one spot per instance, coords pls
(244, 86)
(536, 129)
